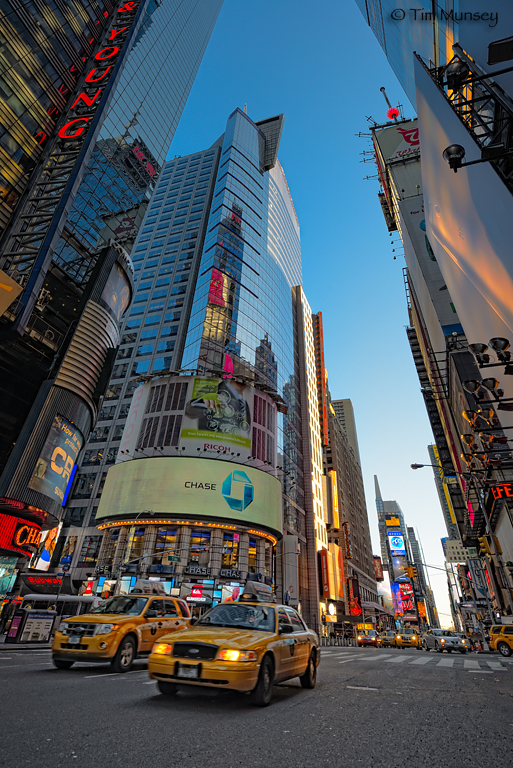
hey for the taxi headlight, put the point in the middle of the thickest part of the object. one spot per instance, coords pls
(442, 640)
(398, 637)
(230, 654)
(413, 637)
(164, 649)
(359, 638)
(104, 629)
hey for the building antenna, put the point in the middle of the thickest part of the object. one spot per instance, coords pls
(393, 112)
(245, 110)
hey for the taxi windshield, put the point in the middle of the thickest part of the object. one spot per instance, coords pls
(129, 606)
(409, 632)
(240, 616)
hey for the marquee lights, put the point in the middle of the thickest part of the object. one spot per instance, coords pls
(199, 523)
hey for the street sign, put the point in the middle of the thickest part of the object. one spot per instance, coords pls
(173, 558)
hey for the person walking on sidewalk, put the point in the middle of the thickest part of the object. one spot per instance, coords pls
(6, 615)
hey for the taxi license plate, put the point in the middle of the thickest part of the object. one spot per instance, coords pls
(75, 640)
(188, 671)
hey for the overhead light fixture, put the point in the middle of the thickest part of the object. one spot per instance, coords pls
(456, 73)
(468, 439)
(499, 346)
(492, 386)
(478, 350)
(454, 155)
(470, 416)
(472, 386)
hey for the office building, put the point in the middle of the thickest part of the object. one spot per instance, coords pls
(86, 116)
(216, 260)
(423, 587)
(345, 415)
(443, 494)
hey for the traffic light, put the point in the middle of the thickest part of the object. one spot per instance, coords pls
(414, 574)
(484, 548)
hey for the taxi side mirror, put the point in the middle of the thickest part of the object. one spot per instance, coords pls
(150, 614)
(285, 629)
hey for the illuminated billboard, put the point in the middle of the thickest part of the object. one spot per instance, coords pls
(407, 599)
(202, 417)
(399, 565)
(396, 543)
(185, 487)
(41, 558)
(57, 459)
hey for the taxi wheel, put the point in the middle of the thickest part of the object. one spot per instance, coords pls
(168, 689)
(309, 678)
(462, 651)
(62, 663)
(263, 692)
(124, 658)
(504, 649)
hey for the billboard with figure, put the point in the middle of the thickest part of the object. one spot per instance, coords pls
(57, 459)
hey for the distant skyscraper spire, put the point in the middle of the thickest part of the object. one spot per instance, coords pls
(376, 485)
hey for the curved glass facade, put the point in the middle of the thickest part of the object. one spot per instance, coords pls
(241, 319)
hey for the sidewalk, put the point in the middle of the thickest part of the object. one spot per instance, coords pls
(4, 647)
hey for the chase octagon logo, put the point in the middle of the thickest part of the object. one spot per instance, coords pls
(238, 490)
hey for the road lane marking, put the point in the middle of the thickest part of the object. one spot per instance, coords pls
(105, 674)
(469, 664)
(348, 658)
(423, 660)
(448, 662)
(361, 688)
(497, 666)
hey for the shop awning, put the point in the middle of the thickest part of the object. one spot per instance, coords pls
(372, 606)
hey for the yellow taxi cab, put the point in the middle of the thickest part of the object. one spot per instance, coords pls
(408, 638)
(387, 639)
(246, 646)
(501, 639)
(121, 629)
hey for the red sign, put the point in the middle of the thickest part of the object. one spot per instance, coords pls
(43, 580)
(353, 591)
(406, 592)
(197, 592)
(378, 568)
(19, 535)
(502, 491)
(323, 555)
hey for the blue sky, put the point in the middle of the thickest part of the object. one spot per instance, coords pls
(321, 66)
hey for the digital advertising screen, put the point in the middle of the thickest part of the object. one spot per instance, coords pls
(407, 599)
(396, 597)
(231, 593)
(116, 293)
(40, 560)
(192, 487)
(57, 459)
(396, 543)
(399, 565)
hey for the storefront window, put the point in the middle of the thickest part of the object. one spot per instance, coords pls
(230, 550)
(165, 544)
(252, 556)
(200, 544)
(113, 537)
(89, 552)
(135, 550)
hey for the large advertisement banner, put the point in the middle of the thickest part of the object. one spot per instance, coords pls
(40, 560)
(57, 459)
(399, 565)
(218, 413)
(396, 543)
(185, 487)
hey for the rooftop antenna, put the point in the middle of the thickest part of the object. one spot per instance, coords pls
(392, 112)
(245, 110)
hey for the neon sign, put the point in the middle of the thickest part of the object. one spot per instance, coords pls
(19, 535)
(502, 491)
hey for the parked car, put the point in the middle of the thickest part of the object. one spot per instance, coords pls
(443, 640)
(501, 639)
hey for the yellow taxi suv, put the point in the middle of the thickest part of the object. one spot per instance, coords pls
(408, 638)
(120, 630)
(387, 639)
(501, 639)
(245, 646)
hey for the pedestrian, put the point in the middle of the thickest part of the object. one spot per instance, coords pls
(6, 615)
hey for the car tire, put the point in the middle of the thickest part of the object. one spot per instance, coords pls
(449, 650)
(462, 651)
(62, 663)
(125, 655)
(309, 678)
(168, 689)
(263, 691)
(438, 649)
(504, 649)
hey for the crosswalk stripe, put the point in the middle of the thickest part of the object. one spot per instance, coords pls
(397, 659)
(497, 666)
(422, 660)
(469, 664)
(448, 662)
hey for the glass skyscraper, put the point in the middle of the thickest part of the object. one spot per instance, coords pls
(215, 261)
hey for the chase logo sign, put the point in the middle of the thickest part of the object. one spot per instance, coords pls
(238, 490)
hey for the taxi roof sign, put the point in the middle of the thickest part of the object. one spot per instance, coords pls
(255, 592)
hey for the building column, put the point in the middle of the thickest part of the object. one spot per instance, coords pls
(148, 547)
(119, 552)
(243, 559)
(216, 554)
(261, 557)
(184, 543)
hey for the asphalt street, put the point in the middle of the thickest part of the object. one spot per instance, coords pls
(380, 707)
